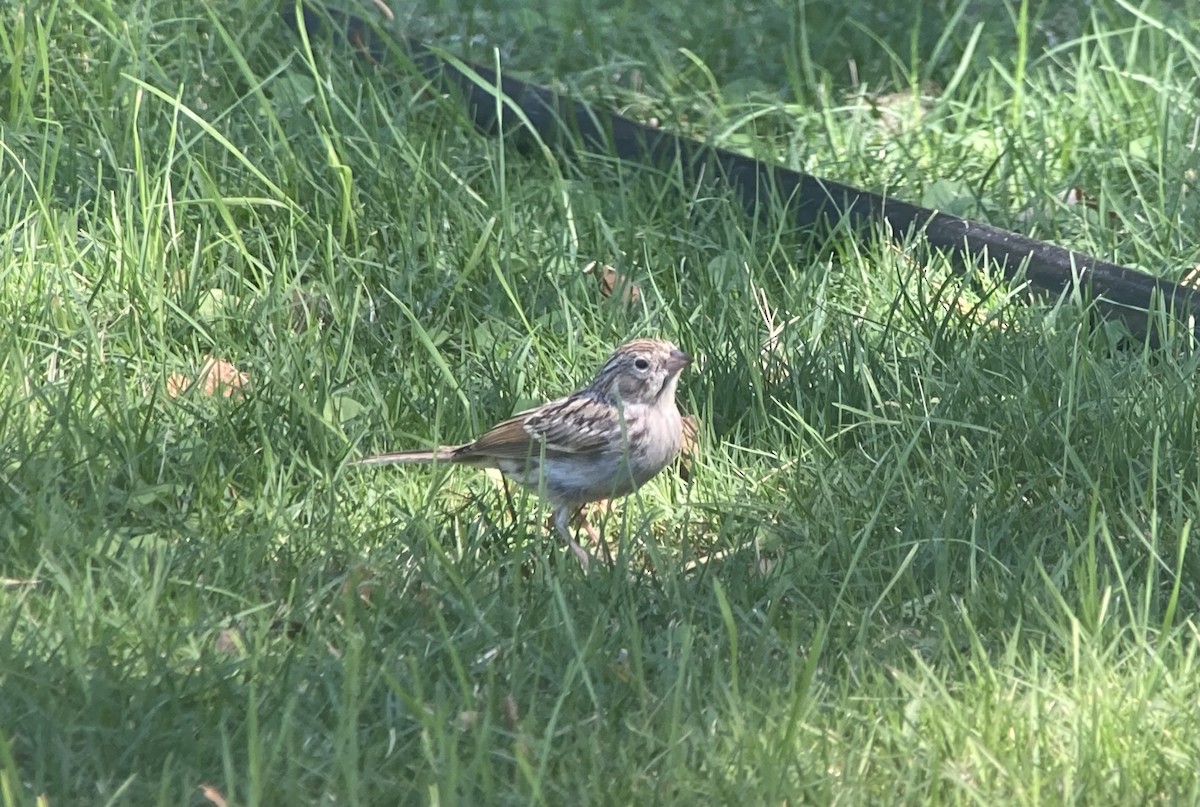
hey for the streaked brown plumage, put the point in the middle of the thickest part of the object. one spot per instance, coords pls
(601, 442)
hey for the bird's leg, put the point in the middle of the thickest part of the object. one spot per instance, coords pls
(593, 534)
(508, 498)
(562, 520)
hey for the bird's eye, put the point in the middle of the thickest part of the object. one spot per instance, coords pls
(642, 364)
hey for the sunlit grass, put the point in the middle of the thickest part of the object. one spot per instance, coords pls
(936, 545)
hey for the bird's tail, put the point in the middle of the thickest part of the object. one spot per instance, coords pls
(408, 457)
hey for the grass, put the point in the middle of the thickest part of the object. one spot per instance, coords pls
(936, 547)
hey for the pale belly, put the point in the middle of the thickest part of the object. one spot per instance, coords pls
(578, 479)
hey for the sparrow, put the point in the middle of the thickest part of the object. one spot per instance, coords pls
(603, 441)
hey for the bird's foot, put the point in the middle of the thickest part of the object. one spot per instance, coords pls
(594, 537)
(580, 554)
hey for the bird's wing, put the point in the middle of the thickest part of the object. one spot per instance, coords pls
(574, 425)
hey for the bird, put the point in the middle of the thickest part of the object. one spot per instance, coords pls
(603, 441)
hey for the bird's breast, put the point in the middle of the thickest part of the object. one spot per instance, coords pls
(649, 439)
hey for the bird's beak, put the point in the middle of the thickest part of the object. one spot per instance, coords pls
(677, 361)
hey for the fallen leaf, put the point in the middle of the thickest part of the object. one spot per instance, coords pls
(229, 642)
(691, 429)
(689, 447)
(213, 796)
(511, 716)
(360, 581)
(1078, 196)
(383, 8)
(609, 281)
(1192, 279)
(216, 377)
(177, 384)
(897, 111)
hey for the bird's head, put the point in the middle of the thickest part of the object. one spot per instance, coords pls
(641, 371)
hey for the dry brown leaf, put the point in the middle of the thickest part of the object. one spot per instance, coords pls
(511, 715)
(897, 111)
(1192, 279)
(177, 384)
(213, 796)
(689, 447)
(1074, 196)
(383, 8)
(691, 432)
(609, 280)
(216, 377)
(361, 581)
(228, 642)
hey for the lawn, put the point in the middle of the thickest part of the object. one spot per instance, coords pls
(934, 546)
